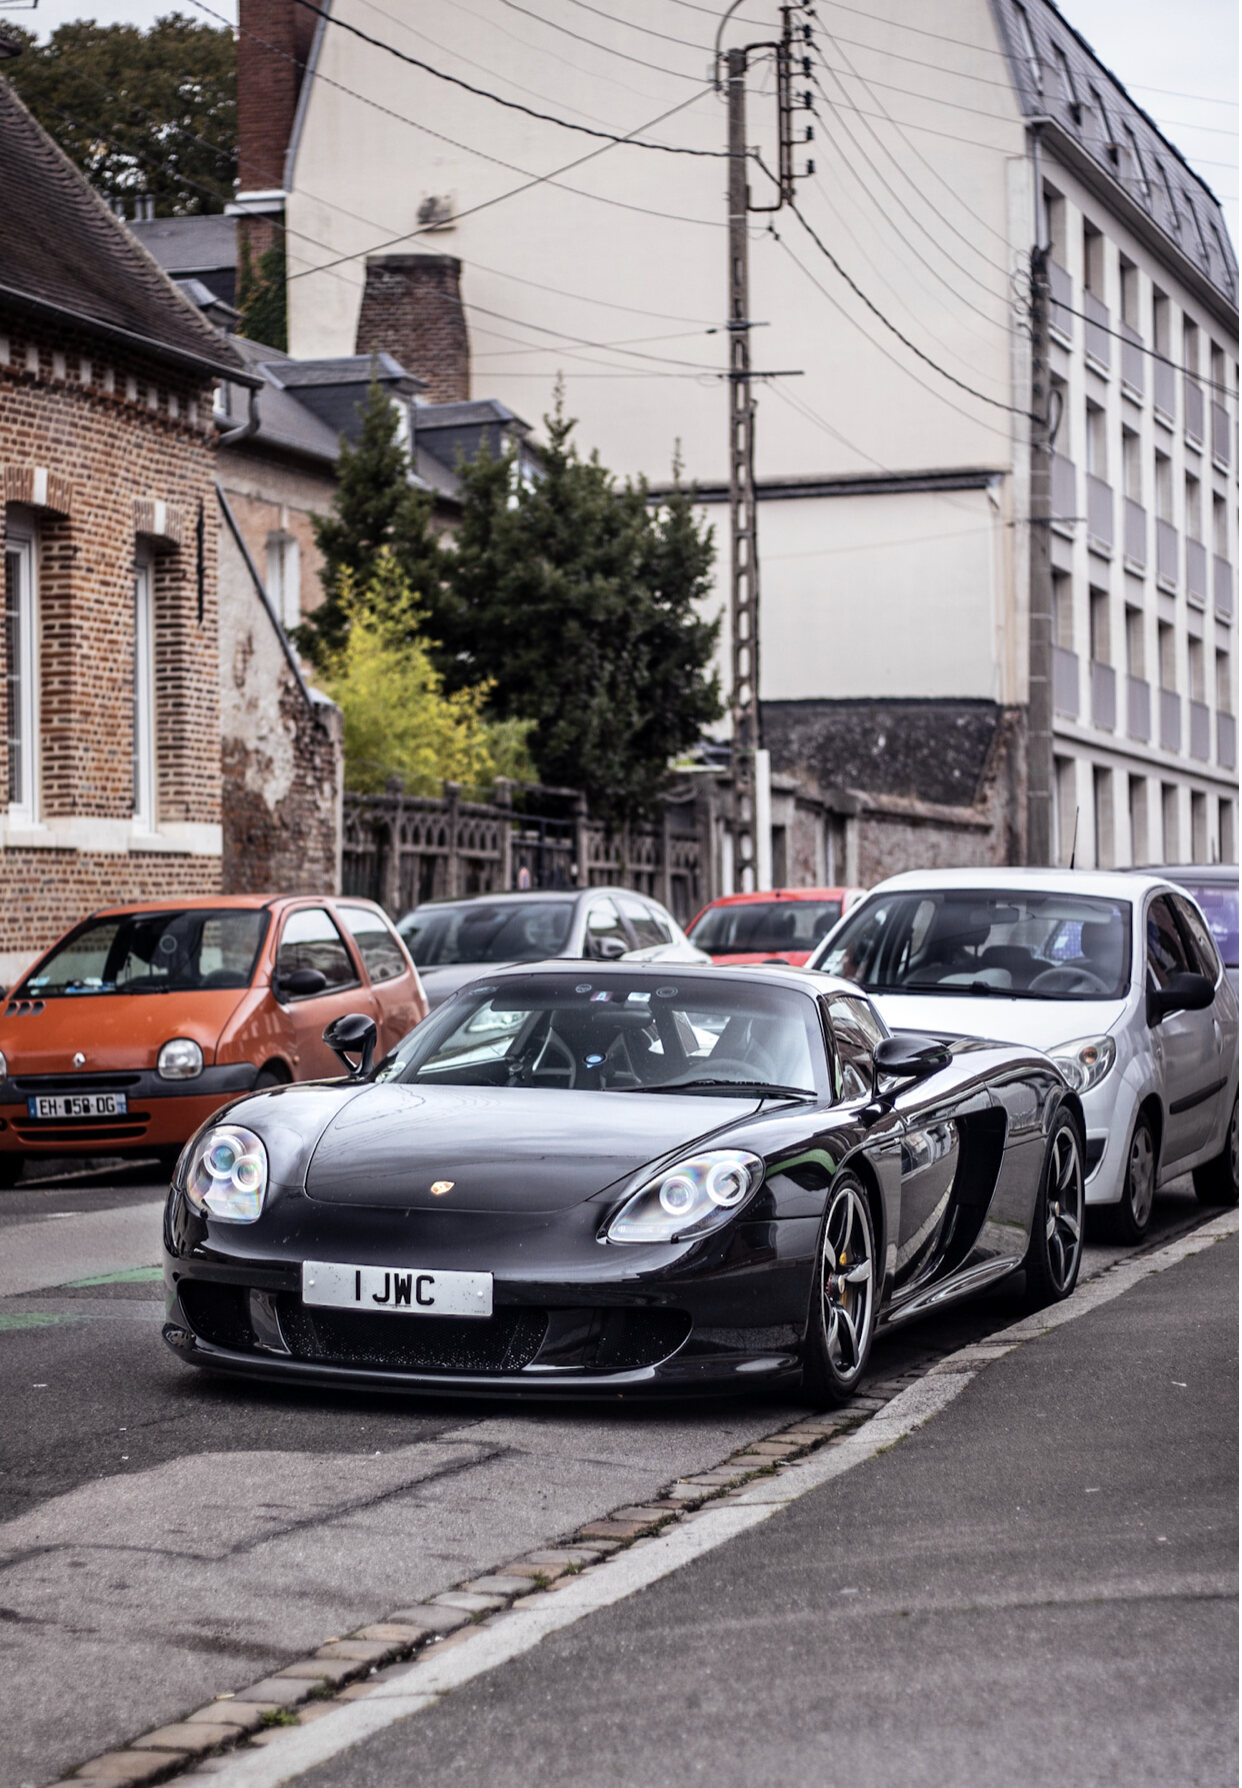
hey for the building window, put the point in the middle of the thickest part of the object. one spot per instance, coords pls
(284, 578)
(1197, 672)
(144, 693)
(1194, 508)
(1092, 259)
(1160, 320)
(1228, 832)
(1224, 683)
(1054, 211)
(1063, 609)
(1198, 828)
(1136, 652)
(1097, 442)
(1066, 789)
(1138, 819)
(1140, 172)
(1164, 487)
(1101, 643)
(1167, 642)
(1170, 829)
(1102, 790)
(1220, 527)
(21, 627)
(1132, 464)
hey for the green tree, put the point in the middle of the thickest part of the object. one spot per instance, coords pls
(139, 111)
(375, 509)
(398, 719)
(261, 295)
(576, 600)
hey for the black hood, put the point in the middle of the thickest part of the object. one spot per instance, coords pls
(502, 1148)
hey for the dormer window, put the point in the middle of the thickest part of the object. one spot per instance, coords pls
(1035, 67)
(1066, 79)
(1140, 172)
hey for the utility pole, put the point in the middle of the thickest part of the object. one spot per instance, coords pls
(743, 527)
(1040, 844)
(743, 532)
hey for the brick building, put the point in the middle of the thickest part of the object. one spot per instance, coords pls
(110, 779)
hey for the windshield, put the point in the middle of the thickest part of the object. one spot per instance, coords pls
(488, 931)
(755, 926)
(197, 950)
(1219, 904)
(616, 1034)
(1062, 946)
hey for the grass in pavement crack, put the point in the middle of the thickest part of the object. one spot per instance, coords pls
(279, 1716)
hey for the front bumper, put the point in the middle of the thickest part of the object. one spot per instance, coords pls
(726, 1314)
(160, 1113)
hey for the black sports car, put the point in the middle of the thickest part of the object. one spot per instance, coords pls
(602, 1178)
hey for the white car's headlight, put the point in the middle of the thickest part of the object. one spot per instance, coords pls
(179, 1059)
(688, 1199)
(227, 1174)
(1085, 1062)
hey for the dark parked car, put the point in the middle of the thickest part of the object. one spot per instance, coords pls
(608, 1177)
(453, 941)
(1214, 886)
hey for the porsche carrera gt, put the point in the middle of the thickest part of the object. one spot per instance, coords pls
(598, 1178)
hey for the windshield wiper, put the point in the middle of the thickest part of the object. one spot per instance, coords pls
(763, 1089)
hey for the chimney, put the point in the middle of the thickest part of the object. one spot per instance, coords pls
(269, 74)
(412, 309)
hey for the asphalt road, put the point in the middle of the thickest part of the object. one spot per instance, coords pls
(1038, 1587)
(165, 1537)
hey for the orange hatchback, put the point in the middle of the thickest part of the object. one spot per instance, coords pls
(143, 1020)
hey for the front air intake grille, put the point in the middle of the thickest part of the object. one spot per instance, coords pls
(218, 1314)
(633, 1338)
(502, 1343)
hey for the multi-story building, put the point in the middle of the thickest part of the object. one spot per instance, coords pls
(895, 471)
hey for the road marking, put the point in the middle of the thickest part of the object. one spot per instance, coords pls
(35, 1319)
(40, 1255)
(421, 1684)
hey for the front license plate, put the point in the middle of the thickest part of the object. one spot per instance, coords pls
(75, 1105)
(401, 1291)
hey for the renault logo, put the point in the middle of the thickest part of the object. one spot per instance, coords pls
(440, 1187)
(79, 1060)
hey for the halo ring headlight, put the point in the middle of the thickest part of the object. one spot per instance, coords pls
(690, 1198)
(227, 1174)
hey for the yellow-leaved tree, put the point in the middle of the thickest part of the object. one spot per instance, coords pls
(398, 720)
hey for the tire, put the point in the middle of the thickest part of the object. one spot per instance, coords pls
(841, 1320)
(11, 1170)
(1216, 1182)
(1055, 1251)
(266, 1079)
(1130, 1218)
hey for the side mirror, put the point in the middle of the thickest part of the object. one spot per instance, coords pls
(353, 1034)
(609, 949)
(299, 984)
(1185, 993)
(908, 1057)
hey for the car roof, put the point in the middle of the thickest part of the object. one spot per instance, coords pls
(518, 897)
(780, 894)
(810, 981)
(1121, 884)
(1226, 873)
(214, 902)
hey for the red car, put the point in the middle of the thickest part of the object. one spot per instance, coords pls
(782, 925)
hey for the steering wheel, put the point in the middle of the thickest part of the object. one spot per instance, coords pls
(1068, 979)
(560, 1073)
(727, 1067)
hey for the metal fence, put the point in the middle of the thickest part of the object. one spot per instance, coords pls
(403, 849)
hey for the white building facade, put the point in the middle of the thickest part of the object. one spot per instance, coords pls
(894, 470)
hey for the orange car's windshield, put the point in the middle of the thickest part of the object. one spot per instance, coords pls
(195, 950)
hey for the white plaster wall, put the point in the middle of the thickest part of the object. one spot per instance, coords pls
(921, 221)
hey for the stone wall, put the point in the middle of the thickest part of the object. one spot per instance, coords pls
(281, 749)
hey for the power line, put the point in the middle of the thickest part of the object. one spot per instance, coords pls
(513, 105)
(647, 30)
(881, 349)
(594, 43)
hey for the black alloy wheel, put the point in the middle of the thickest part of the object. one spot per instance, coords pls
(1130, 1218)
(1216, 1182)
(1054, 1254)
(841, 1320)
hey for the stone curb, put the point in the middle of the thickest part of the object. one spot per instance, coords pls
(338, 1672)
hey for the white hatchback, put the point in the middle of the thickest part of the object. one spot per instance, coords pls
(1117, 977)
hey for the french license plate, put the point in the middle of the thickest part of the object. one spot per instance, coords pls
(400, 1291)
(75, 1105)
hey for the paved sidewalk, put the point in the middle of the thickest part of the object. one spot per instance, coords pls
(1038, 1588)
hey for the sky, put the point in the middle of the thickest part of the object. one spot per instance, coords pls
(1179, 62)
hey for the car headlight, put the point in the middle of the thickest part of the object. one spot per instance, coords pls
(227, 1174)
(688, 1199)
(179, 1059)
(1086, 1062)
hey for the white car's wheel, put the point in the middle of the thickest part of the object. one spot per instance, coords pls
(1138, 1195)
